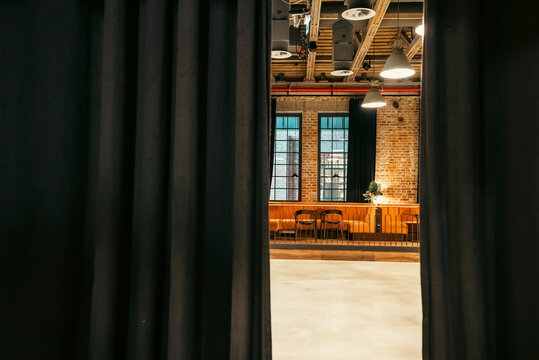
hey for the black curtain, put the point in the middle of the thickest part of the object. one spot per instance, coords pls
(479, 176)
(273, 122)
(361, 150)
(134, 179)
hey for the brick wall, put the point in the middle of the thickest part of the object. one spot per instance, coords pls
(396, 148)
(397, 152)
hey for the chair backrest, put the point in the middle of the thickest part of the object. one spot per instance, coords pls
(312, 214)
(324, 215)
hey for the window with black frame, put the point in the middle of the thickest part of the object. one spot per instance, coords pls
(286, 180)
(333, 159)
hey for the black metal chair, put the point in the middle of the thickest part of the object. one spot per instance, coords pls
(329, 220)
(310, 222)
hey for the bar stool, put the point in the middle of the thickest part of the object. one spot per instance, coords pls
(327, 223)
(309, 221)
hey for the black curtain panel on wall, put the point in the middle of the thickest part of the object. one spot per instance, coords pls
(273, 122)
(134, 179)
(361, 150)
(479, 176)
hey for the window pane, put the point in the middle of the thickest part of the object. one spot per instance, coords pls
(293, 146)
(325, 135)
(280, 182)
(333, 157)
(293, 169)
(280, 170)
(338, 134)
(281, 146)
(281, 158)
(293, 134)
(287, 159)
(293, 195)
(280, 194)
(323, 122)
(325, 146)
(280, 134)
(293, 158)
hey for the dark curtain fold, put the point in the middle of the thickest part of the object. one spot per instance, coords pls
(479, 171)
(273, 123)
(361, 150)
(134, 180)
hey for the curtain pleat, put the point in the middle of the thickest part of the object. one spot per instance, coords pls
(136, 181)
(273, 123)
(361, 150)
(479, 145)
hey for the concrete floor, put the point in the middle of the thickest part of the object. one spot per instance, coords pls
(337, 310)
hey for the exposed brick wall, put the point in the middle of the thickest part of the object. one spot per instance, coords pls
(396, 150)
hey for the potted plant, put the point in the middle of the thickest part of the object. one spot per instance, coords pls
(373, 192)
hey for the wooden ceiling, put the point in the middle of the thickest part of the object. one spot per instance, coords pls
(377, 43)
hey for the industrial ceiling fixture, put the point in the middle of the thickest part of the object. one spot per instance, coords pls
(420, 30)
(373, 98)
(358, 10)
(343, 48)
(280, 32)
(397, 65)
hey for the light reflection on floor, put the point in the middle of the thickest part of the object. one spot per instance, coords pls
(337, 310)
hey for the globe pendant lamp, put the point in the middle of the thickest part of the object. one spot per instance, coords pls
(373, 99)
(397, 66)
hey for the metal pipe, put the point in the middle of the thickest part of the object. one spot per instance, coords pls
(343, 90)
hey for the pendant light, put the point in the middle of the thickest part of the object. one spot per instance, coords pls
(397, 65)
(420, 30)
(358, 10)
(373, 99)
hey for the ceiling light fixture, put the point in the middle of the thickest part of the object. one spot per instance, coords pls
(358, 10)
(397, 65)
(420, 30)
(373, 99)
(342, 72)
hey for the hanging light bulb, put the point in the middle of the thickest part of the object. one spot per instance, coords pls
(420, 30)
(373, 99)
(397, 66)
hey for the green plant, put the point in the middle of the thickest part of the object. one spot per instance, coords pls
(373, 191)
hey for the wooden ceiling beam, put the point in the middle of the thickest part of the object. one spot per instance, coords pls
(372, 28)
(313, 36)
(414, 47)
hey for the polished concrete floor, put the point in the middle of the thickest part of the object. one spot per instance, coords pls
(337, 310)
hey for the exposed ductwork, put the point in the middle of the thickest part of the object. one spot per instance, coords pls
(343, 48)
(280, 31)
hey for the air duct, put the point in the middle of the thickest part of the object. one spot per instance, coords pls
(343, 48)
(358, 10)
(280, 31)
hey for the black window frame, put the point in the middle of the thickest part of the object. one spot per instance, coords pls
(318, 187)
(300, 155)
